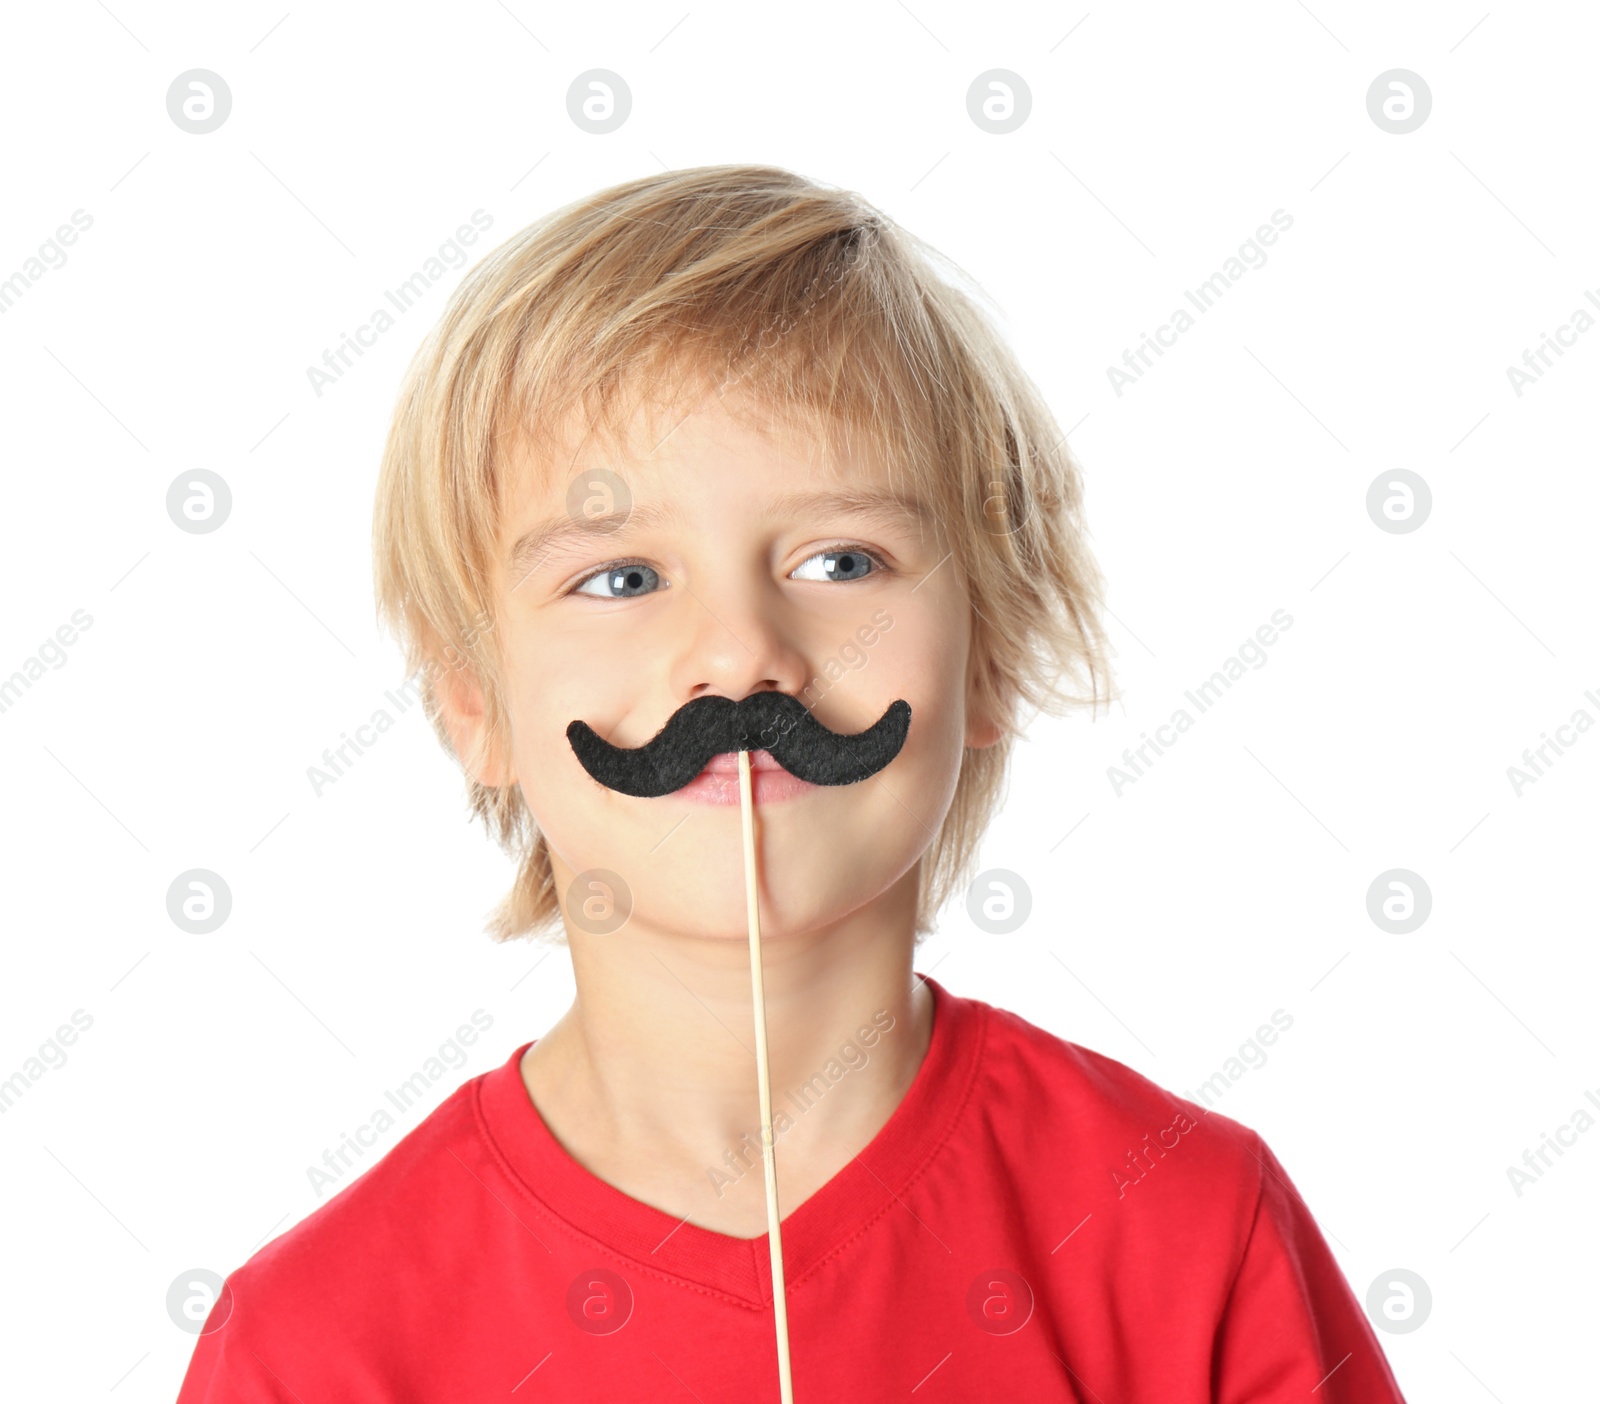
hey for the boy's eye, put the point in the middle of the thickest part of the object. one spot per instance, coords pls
(620, 582)
(630, 579)
(838, 564)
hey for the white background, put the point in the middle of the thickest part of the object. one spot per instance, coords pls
(1229, 482)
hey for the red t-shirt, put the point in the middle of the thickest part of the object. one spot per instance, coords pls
(1035, 1221)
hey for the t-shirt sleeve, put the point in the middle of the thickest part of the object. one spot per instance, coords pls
(1291, 1323)
(225, 1368)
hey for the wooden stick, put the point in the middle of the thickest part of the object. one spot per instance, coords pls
(780, 1304)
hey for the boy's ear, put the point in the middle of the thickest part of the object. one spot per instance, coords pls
(982, 730)
(461, 708)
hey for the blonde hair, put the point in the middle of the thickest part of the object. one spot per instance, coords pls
(808, 298)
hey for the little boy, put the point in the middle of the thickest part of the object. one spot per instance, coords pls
(708, 434)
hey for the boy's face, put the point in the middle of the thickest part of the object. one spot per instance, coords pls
(711, 584)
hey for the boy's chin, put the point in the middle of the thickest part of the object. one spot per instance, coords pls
(692, 886)
(723, 918)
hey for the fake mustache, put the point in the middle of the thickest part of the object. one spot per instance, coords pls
(775, 722)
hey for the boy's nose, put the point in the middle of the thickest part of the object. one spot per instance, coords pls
(736, 648)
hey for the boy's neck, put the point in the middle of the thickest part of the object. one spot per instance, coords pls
(649, 1079)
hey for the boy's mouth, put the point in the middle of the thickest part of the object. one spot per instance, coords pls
(770, 783)
(727, 763)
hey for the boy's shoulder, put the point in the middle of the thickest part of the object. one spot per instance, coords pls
(1088, 1083)
(388, 1213)
(366, 1268)
(1095, 1118)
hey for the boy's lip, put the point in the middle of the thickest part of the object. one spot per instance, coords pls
(727, 763)
(770, 783)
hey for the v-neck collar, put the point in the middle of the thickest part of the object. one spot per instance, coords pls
(822, 1226)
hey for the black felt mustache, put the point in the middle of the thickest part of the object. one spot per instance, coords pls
(776, 722)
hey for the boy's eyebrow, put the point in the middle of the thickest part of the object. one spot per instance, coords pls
(886, 506)
(533, 545)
